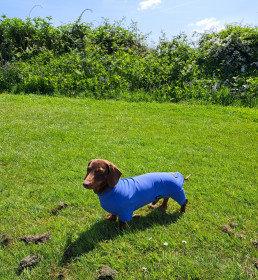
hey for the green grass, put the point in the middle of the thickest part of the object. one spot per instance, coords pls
(45, 145)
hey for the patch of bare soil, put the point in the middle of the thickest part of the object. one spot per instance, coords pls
(229, 229)
(4, 239)
(60, 206)
(36, 238)
(30, 261)
(106, 273)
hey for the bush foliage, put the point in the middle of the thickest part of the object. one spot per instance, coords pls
(114, 61)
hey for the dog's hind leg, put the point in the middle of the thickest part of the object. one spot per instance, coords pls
(182, 210)
(164, 203)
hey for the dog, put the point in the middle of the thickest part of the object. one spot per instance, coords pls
(121, 197)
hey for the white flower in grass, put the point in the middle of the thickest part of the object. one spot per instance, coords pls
(144, 268)
(184, 241)
(165, 244)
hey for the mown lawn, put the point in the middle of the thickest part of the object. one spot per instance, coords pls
(45, 145)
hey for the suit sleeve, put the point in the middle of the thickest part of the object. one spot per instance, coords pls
(126, 215)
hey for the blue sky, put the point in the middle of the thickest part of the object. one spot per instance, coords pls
(170, 16)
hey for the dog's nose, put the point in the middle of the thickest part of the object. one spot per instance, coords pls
(86, 184)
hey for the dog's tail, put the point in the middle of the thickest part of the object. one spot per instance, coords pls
(186, 178)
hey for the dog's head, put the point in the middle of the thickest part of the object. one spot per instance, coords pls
(101, 175)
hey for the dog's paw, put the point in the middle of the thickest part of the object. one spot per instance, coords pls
(153, 205)
(111, 218)
(122, 225)
(137, 215)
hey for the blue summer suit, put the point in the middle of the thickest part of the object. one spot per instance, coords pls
(131, 194)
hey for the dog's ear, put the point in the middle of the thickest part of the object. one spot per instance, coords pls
(113, 175)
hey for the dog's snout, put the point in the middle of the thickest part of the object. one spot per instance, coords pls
(86, 184)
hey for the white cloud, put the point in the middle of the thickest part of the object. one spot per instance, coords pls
(207, 25)
(149, 4)
(205, 21)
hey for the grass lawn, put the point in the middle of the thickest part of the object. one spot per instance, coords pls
(45, 145)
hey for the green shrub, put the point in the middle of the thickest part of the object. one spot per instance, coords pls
(10, 75)
(112, 61)
(230, 51)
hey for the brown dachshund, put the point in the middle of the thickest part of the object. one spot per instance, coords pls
(121, 197)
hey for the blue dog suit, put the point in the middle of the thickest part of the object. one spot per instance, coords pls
(131, 194)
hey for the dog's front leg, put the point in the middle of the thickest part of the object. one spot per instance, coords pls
(136, 216)
(122, 225)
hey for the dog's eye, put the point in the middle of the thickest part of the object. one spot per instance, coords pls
(99, 171)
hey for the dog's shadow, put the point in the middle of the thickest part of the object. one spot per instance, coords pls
(105, 230)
